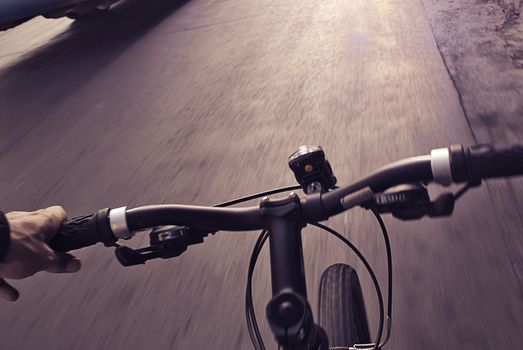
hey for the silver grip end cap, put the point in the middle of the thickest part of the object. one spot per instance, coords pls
(440, 164)
(118, 222)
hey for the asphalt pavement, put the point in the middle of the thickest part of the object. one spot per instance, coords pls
(201, 101)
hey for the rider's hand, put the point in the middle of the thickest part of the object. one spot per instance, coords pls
(28, 251)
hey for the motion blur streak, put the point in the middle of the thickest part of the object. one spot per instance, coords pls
(201, 101)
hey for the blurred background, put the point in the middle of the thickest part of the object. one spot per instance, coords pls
(200, 101)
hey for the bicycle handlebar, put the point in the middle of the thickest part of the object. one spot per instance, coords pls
(227, 219)
(83, 231)
(472, 164)
(455, 164)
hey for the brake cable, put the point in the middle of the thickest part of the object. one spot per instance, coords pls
(257, 195)
(252, 325)
(389, 275)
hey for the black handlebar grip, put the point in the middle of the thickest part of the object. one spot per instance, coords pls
(83, 231)
(479, 162)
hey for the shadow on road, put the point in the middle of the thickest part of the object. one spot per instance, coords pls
(33, 86)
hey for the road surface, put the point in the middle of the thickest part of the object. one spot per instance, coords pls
(202, 101)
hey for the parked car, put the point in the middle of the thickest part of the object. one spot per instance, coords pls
(15, 12)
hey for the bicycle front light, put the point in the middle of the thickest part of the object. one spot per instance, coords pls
(312, 169)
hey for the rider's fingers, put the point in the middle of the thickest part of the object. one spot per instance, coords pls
(7, 292)
(54, 217)
(63, 263)
(14, 214)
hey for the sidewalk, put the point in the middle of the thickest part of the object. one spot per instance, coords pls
(481, 42)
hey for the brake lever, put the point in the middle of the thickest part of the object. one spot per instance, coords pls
(165, 242)
(411, 202)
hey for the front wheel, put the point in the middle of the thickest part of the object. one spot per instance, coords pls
(341, 307)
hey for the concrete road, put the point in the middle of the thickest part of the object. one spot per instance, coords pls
(202, 101)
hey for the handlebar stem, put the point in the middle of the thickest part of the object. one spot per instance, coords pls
(289, 314)
(282, 216)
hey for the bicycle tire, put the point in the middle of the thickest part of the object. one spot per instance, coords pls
(342, 312)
